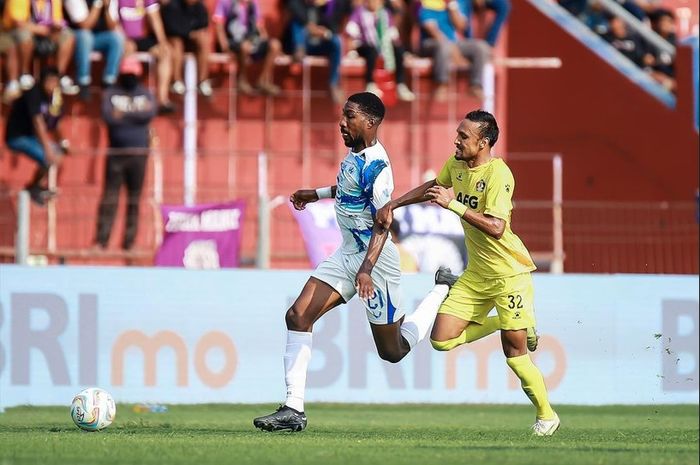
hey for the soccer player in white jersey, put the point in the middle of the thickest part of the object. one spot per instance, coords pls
(363, 185)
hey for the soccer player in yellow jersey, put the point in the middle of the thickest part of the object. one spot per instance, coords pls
(498, 272)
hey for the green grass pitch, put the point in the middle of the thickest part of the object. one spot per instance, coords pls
(356, 434)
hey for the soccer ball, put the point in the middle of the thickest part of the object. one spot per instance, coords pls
(93, 409)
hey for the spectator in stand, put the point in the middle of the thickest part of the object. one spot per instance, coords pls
(143, 28)
(94, 24)
(313, 30)
(127, 109)
(659, 63)
(440, 20)
(404, 13)
(501, 10)
(32, 129)
(240, 30)
(8, 50)
(186, 24)
(15, 21)
(626, 42)
(373, 35)
(42, 20)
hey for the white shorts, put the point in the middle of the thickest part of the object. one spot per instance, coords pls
(339, 270)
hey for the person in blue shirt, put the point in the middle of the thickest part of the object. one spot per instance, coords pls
(440, 20)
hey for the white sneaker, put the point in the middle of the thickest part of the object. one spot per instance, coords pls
(11, 91)
(404, 93)
(178, 87)
(68, 87)
(374, 89)
(26, 81)
(205, 88)
(546, 427)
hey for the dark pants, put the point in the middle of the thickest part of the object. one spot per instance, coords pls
(370, 54)
(129, 170)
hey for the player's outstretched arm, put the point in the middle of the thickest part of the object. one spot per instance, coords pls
(363, 280)
(303, 196)
(418, 195)
(487, 224)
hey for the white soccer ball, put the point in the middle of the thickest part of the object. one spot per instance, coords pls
(93, 409)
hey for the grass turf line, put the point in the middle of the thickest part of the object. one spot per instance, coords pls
(356, 434)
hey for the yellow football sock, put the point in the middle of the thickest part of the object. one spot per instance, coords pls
(473, 332)
(533, 384)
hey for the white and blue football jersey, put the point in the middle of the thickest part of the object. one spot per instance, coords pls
(364, 185)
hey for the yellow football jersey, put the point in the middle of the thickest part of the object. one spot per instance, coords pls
(487, 189)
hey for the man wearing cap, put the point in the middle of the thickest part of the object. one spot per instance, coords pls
(127, 108)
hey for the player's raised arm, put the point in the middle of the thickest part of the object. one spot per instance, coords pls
(303, 196)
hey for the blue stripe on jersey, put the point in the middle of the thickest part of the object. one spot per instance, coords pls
(390, 306)
(369, 175)
(357, 234)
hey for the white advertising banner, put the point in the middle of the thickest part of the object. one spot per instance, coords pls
(185, 336)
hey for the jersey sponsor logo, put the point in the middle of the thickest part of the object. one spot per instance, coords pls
(459, 176)
(469, 200)
(481, 185)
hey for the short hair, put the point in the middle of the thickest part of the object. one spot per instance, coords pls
(659, 13)
(369, 104)
(487, 125)
(49, 71)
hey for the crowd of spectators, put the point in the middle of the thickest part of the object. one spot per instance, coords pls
(66, 33)
(62, 36)
(615, 30)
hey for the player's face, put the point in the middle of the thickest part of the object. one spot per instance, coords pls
(468, 141)
(353, 124)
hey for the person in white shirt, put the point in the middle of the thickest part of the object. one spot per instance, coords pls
(363, 185)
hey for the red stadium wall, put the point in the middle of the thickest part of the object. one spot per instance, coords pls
(618, 142)
(619, 146)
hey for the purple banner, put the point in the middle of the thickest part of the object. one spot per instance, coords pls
(201, 237)
(319, 228)
(433, 236)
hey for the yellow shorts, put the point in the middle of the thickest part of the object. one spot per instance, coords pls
(471, 298)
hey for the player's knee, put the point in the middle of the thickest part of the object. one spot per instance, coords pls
(443, 346)
(296, 320)
(391, 356)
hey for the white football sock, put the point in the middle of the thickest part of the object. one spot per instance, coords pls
(296, 362)
(416, 325)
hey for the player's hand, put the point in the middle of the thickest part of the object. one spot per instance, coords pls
(440, 196)
(364, 285)
(303, 196)
(385, 216)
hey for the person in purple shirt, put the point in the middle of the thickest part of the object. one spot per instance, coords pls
(239, 30)
(374, 35)
(143, 27)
